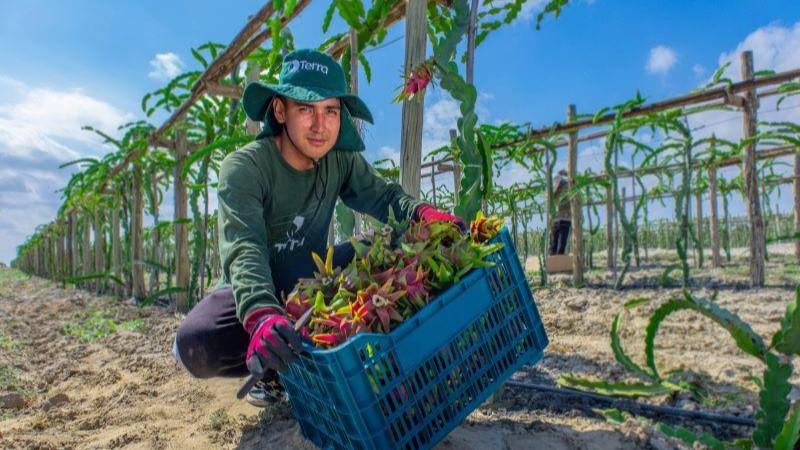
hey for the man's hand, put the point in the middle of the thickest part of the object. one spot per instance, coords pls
(430, 214)
(274, 344)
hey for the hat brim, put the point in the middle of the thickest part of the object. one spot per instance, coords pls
(257, 98)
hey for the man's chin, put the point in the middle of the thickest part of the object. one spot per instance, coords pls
(317, 152)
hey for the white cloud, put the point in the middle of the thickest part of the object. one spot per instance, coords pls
(166, 66)
(661, 60)
(47, 124)
(441, 116)
(40, 128)
(387, 152)
(698, 70)
(774, 47)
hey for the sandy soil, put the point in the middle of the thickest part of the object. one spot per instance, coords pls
(124, 390)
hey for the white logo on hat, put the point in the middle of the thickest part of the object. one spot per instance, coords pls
(297, 64)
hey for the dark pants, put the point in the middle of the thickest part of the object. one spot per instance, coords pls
(211, 342)
(559, 237)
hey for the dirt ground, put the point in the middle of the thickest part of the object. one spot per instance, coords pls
(65, 385)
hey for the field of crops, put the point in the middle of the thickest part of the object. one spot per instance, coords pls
(676, 326)
(99, 373)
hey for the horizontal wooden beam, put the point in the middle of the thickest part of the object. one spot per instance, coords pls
(223, 90)
(771, 153)
(720, 93)
(241, 46)
(776, 182)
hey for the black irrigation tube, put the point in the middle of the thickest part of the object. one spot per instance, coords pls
(634, 406)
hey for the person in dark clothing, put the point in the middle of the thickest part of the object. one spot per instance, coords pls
(276, 199)
(562, 222)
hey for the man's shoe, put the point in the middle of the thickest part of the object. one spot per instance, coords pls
(264, 393)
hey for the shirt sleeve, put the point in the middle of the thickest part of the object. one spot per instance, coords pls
(243, 242)
(366, 192)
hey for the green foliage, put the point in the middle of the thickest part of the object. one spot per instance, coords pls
(622, 357)
(747, 339)
(688, 437)
(787, 438)
(220, 420)
(615, 416)
(10, 380)
(622, 389)
(95, 276)
(787, 339)
(772, 401)
(630, 304)
(152, 297)
(475, 156)
(99, 325)
(8, 343)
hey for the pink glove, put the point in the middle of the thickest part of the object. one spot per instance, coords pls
(430, 214)
(273, 342)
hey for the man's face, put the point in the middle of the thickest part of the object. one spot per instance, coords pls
(313, 127)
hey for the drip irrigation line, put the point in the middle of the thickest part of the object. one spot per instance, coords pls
(637, 407)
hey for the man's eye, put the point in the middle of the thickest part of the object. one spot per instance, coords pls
(333, 112)
(304, 109)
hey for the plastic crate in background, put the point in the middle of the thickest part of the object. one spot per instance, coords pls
(409, 388)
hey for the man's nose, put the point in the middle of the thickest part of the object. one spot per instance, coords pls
(319, 120)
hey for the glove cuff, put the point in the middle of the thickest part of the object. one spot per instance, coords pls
(421, 210)
(256, 317)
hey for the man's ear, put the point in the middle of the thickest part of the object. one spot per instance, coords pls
(279, 109)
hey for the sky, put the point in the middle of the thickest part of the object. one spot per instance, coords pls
(66, 64)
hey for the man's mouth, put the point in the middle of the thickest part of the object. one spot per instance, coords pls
(316, 142)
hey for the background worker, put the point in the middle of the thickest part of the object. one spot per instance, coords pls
(562, 222)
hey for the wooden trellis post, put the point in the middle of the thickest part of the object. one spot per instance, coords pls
(155, 237)
(86, 250)
(137, 231)
(623, 211)
(548, 187)
(116, 250)
(796, 184)
(99, 248)
(610, 249)
(749, 173)
(411, 131)
(72, 245)
(253, 71)
(698, 206)
(182, 266)
(60, 250)
(716, 259)
(575, 206)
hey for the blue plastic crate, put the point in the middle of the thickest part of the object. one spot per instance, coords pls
(408, 389)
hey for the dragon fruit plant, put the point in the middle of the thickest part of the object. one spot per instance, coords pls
(392, 276)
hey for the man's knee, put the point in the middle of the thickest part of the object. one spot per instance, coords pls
(210, 341)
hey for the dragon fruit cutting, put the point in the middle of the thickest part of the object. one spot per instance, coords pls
(392, 276)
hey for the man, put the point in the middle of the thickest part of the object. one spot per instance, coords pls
(562, 222)
(276, 200)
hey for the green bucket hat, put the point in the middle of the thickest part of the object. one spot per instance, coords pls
(308, 76)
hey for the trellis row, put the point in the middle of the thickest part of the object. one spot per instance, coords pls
(728, 94)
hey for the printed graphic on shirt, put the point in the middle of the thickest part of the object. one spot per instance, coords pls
(293, 239)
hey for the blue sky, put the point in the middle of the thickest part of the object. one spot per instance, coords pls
(66, 64)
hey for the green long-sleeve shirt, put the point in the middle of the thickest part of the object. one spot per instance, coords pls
(271, 217)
